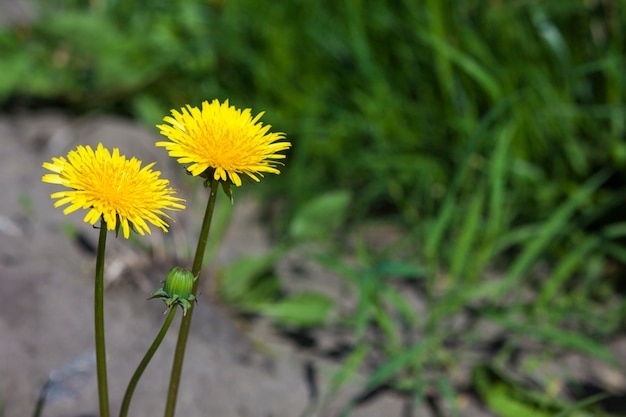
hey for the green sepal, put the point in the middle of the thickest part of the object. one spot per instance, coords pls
(227, 190)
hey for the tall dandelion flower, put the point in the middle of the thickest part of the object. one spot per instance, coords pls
(223, 142)
(113, 188)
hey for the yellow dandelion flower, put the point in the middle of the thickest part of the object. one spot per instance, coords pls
(114, 188)
(222, 140)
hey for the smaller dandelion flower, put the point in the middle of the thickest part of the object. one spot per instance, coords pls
(114, 188)
(223, 141)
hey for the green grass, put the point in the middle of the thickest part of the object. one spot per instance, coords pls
(492, 134)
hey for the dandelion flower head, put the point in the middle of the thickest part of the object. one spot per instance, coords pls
(226, 141)
(112, 187)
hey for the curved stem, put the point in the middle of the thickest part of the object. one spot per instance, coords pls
(128, 395)
(101, 359)
(177, 365)
(41, 401)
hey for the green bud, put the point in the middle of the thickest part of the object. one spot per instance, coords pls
(178, 289)
(179, 282)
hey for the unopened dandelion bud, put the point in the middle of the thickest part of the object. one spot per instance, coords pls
(178, 289)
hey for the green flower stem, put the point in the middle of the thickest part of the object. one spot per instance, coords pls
(185, 324)
(145, 361)
(101, 358)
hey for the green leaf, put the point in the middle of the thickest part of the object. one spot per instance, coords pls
(500, 397)
(509, 397)
(300, 310)
(320, 217)
(401, 270)
(249, 281)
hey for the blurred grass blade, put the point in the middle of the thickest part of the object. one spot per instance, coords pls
(411, 356)
(615, 250)
(615, 230)
(388, 325)
(403, 270)
(442, 62)
(407, 311)
(469, 65)
(462, 247)
(446, 212)
(237, 280)
(555, 225)
(550, 34)
(502, 398)
(367, 287)
(500, 164)
(555, 336)
(299, 310)
(495, 220)
(345, 374)
(435, 235)
(578, 408)
(449, 395)
(565, 269)
(320, 216)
